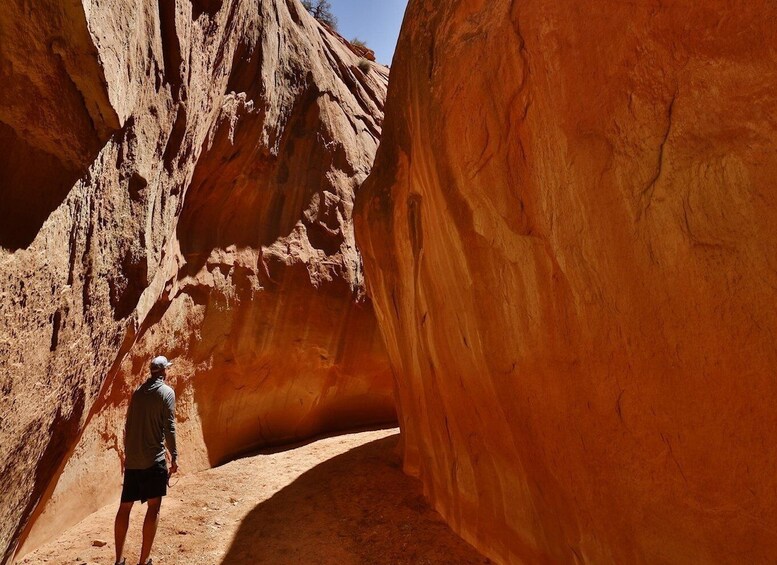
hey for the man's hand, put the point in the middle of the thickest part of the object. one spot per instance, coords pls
(173, 468)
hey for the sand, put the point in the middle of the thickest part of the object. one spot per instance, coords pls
(339, 500)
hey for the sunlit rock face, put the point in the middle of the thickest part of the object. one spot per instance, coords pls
(177, 178)
(569, 235)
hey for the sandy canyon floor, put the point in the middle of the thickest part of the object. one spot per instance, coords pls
(340, 500)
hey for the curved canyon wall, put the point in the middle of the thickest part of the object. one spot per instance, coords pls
(178, 178)
(569, 236)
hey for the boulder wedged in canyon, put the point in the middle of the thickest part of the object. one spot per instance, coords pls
(182, 175)
(569, 240)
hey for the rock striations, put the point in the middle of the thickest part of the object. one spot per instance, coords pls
(177, 177)
(569, 237)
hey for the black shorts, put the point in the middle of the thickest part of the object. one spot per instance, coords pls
(143, 484)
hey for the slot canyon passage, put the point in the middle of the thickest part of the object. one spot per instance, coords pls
(569, 247)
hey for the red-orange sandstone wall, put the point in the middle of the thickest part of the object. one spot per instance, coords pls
(569, 235)
(177, 177)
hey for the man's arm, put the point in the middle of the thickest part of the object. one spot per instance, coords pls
(122, 451)
(170, 431)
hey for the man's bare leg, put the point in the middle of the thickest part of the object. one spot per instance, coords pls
(149, 527)
(120, 527)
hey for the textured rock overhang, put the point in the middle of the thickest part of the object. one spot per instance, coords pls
(569, 236)
(177, 177)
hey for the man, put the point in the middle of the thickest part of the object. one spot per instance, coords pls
(150, 421)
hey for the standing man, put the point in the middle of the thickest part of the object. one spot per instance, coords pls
(150, 421)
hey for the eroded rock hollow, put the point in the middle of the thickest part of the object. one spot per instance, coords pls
(177, 177)
(569, 236)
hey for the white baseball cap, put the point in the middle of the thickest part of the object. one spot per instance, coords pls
(160, 363)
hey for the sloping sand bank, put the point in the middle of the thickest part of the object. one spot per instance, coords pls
(340, 500)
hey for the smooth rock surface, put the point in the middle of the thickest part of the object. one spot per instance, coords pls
(180, 177)
(569, 236)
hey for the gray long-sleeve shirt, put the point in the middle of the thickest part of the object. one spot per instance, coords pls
(150, 421)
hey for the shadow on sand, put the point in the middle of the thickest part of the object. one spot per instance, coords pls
(357, 508)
